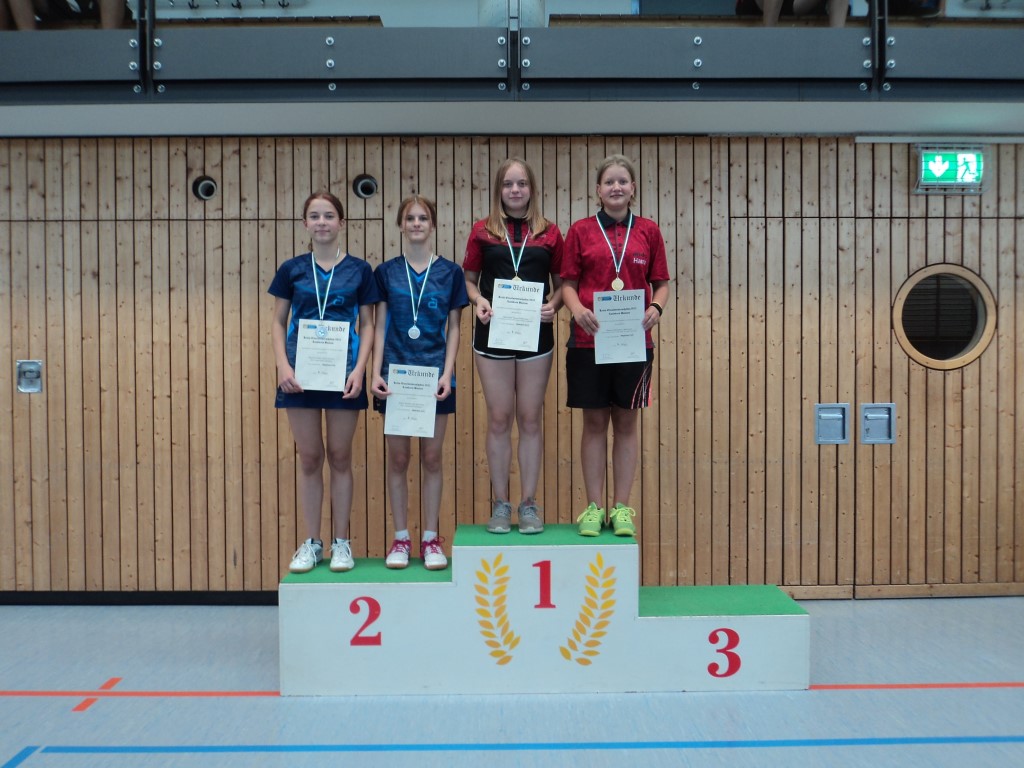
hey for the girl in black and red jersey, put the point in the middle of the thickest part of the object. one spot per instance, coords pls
(612, 251)
(515, 242)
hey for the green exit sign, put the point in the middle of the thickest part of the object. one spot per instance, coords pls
(951, 170)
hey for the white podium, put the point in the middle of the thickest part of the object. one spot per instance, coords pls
(548, 613)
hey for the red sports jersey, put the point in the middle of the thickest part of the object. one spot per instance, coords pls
(590, 263)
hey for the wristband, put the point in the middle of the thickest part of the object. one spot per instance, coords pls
(657, 306)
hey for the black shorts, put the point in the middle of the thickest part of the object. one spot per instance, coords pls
(444, 407)
(589, 385)
(545, 344)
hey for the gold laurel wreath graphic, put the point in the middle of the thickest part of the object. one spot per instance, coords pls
(594, 616)
(492, 583)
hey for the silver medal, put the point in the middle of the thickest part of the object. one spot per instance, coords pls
(414, 332)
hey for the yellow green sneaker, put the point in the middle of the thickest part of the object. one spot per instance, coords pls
(591, 520)
(622, 520)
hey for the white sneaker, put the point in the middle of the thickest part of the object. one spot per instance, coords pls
(398, 555)
(306, 557)
(341, 556)
(433, 555)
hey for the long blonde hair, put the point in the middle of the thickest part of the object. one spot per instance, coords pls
(496, 221)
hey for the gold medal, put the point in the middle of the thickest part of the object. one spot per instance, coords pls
(617, 284)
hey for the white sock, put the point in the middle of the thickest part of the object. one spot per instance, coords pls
(402, 535)
(429, 535)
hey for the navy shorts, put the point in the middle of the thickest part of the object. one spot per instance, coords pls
(322, 400)
(589, 385)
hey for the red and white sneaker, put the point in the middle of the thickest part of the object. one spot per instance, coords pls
(433, 555)
(398, 555)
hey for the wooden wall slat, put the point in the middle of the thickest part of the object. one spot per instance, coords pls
(1007, 348)
(829, 345)
(863, 279)
(56, 466)
(162, 372)
(8, 559)
(792, 402)
(252, 337)
(810, 321)
(175, 472)
(178, 357)
(662, 446)
(757, 406)
(881, 376)
(196, 357)
(124, 419)
(145, 395)
(21, 404)
(775, 342)
(899, 530)
(1018, 474)
(108, 395)
(846, 483)
(736, 389)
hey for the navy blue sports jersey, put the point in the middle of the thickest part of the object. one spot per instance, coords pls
(445, 290)
(352, 287)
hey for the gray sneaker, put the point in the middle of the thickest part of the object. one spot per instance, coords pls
(501, 517)
(529, 517)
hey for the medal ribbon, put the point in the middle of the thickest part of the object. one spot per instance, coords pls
(408, 276)
(629, 228)
(516, 261)
(322, 307)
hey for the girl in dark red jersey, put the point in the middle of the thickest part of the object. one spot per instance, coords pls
(612, 251)
(514, 243)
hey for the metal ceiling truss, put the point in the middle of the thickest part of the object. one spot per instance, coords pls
(336, 61)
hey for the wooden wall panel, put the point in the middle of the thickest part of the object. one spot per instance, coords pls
(154, 459)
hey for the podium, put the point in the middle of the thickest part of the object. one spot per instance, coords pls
(548, 613)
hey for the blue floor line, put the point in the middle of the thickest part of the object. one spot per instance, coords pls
(21, 757)
(526, 746)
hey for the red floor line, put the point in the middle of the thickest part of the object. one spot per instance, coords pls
(111, 694)
(138, 694)
(85, 704)
(911, 686)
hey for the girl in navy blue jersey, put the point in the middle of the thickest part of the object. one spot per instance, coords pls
(327, 285)
(421, 300)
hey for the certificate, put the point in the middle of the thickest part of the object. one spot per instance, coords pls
(515, 323)
(620, 336)
(412, 404)
(321, 355)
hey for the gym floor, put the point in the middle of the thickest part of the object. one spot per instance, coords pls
(930, 682)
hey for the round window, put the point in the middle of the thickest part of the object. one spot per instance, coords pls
(944, 316)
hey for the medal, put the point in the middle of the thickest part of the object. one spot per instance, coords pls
(617, 284)
(414, 332)
(516, 279)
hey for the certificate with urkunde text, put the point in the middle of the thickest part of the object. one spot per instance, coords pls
(412, 404)
(620, 336)
(321, 354)
(515, 323)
